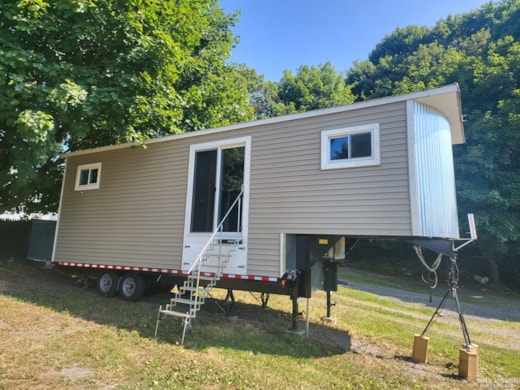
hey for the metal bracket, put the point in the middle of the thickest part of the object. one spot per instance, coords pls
(472, 232)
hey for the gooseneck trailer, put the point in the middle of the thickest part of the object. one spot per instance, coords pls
(268, 206)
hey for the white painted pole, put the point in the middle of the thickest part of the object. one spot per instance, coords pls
(307, 320)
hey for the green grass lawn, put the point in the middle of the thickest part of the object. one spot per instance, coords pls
(57, 335)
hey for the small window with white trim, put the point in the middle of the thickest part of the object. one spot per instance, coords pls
(88, 177)
(350, 147)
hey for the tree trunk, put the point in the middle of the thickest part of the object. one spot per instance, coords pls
(493, 271)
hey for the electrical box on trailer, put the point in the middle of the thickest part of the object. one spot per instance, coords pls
(316, 257)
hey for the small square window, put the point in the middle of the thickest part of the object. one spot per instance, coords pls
(350, 147)
(87, 177)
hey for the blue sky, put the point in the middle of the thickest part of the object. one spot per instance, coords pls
(283, 34)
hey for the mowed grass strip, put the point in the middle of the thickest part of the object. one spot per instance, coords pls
(56, 335)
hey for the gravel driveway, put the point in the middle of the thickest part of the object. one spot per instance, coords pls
(482, 304)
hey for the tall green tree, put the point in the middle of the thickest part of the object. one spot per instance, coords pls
(76, 74)
(488, 166)
(481, 51)
(313, 87)
(263, 94)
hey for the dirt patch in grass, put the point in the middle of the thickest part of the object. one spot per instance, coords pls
(73, 372)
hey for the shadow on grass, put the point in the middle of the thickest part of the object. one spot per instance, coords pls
(253, 328)
(262, 331)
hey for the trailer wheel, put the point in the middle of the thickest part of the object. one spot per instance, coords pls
(107, 284)
(132, 287)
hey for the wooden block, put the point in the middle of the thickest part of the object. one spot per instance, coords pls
(468, 362)
(420, 349)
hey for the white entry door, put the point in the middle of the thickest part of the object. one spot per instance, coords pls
(218, 171)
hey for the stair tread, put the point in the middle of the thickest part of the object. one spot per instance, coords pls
(212, 267)
(203, 277)
(186, 301)
(174, 313)
(193, 288)
(215, 255)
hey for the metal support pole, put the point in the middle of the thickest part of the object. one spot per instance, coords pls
(229, 302)
(307, 320)
(239, 216)
(264, 297)
(436, 312)
(329, 302)
(465, 332)
(294, 298)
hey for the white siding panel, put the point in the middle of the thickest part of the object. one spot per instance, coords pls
(435, 173)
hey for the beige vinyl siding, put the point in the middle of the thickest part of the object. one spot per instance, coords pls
(136, 217)
(291, 194)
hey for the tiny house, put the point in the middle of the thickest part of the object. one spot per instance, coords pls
(286, 194)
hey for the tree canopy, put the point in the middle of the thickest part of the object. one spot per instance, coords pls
(481, 51)
(77, 74)
(312, 87)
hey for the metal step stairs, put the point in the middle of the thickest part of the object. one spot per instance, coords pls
(192, 294)
(202, 277)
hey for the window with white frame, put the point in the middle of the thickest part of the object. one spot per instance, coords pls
(88, 177)
(350, 147)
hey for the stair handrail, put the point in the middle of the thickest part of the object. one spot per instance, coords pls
(198, 260)
(194, 304)
(217, 229)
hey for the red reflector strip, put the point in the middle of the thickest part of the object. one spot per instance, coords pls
(163, 271)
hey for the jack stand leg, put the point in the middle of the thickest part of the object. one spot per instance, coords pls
(329, 303)
(465, 332)
(264, 298)
(420, 343)
(294, 298)
(454, 276)
(229, 302)
(468, 356)
(468, 360)
(436, 312)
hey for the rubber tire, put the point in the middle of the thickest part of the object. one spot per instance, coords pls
(106, 284)
(132, 287)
